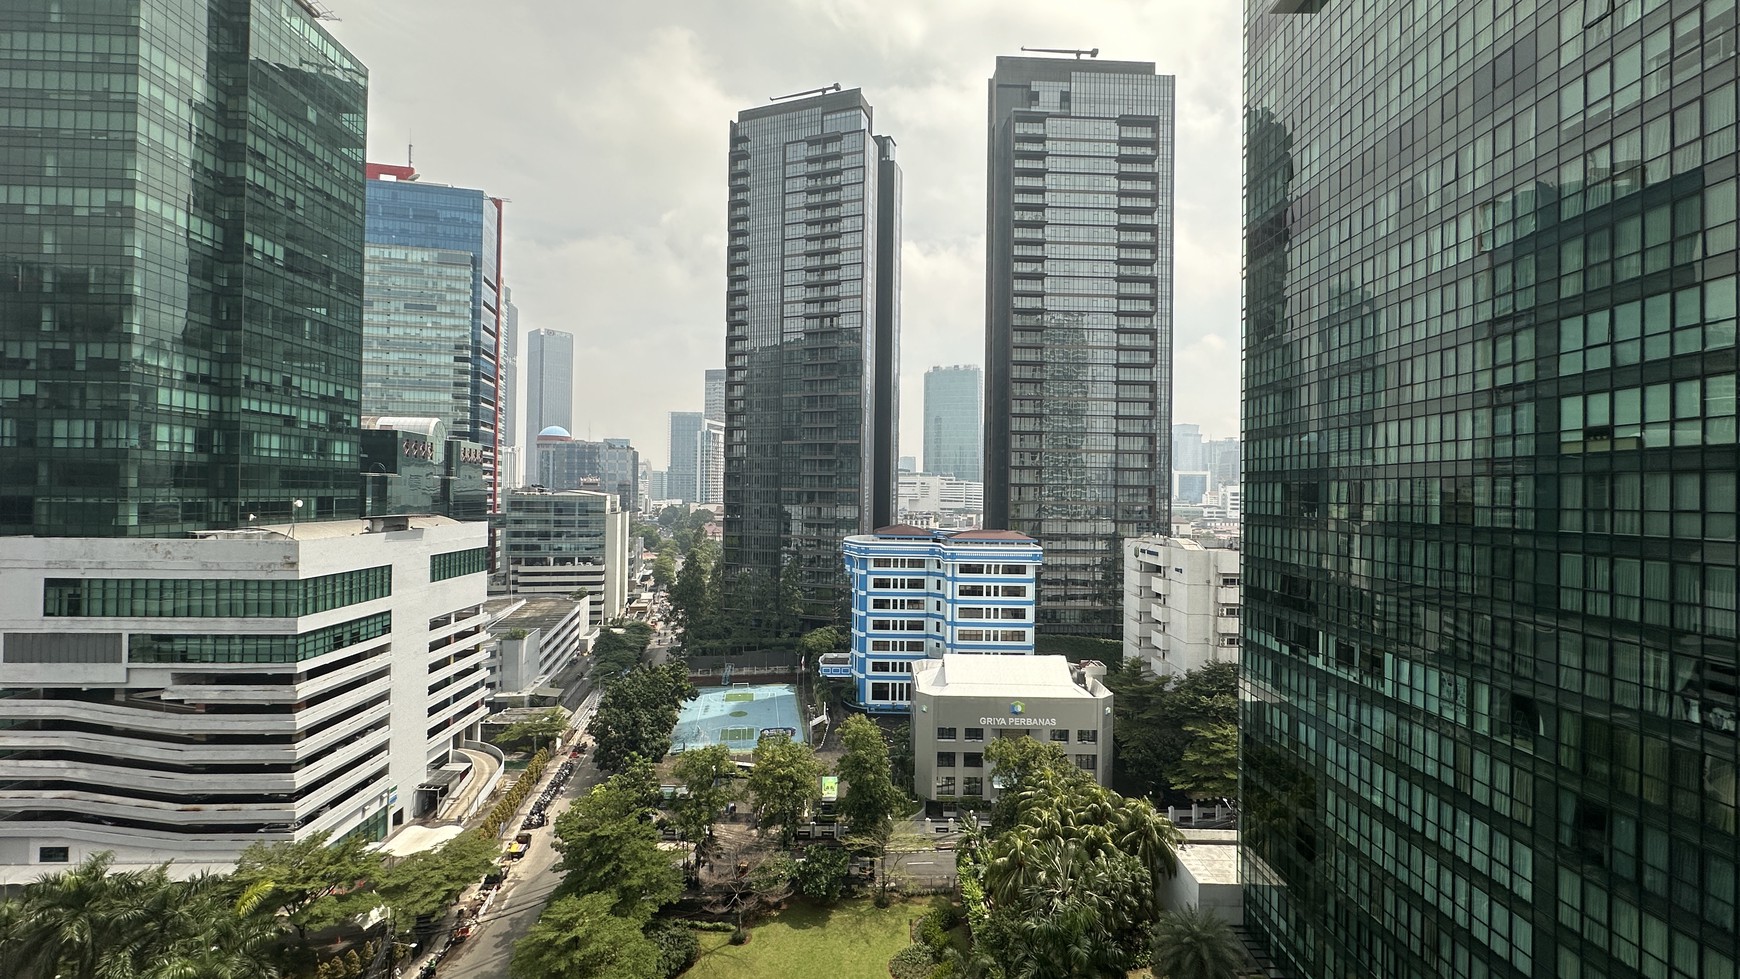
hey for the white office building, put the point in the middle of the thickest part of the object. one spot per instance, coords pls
(1181, 604)
(180, 699)
(917, 594)
(534, 648)
(561, 543)
(960, 702)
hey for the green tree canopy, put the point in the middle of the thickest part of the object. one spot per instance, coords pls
(427, 883)
(871, 798)
(585, 937)
(1196, 944)
(636, 714)
(708, 776)
(538, 730)
(785, 783)
(1154, 717)
(313, 884)
(1209, 767)
(610, 846)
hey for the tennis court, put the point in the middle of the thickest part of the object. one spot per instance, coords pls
(736, 716)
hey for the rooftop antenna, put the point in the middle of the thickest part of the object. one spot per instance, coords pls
(798, 95)
(1078, 52)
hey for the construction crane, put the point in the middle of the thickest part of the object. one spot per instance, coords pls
(798, 95)
(1078, 52)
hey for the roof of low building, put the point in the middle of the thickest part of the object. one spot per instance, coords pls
(989, 535)
(970, 675)
(902, 530)
(530, 612)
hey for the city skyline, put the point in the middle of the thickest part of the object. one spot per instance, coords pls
(644, 114)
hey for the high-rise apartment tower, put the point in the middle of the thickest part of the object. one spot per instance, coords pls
(954, 442)
(1078, 337)
(812, 317)
(549, 382)
(1489, 555)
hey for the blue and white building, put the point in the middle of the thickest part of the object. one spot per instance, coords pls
(917, 594)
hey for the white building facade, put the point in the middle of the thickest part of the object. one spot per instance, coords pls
(180, 699)
(560, 543)
(1181, 604)
(534, 642)
(960, 703)
(918, 594)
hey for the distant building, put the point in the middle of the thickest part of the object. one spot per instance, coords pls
(713, 395)
(433, 315)
(961, 702)
(535, 645)
(561, 542)
(612, 466)
(917, 594)
(1189, 488)
(1181, 604)
(1187, 455)
(1225, 463)
(929, 493)
(657, 485)
(954, 422)
(908, 464)
(512, 397)
(411, 465)
(549, 380)
(683, 478)
(710, 456)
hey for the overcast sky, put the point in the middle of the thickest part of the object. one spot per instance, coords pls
(604, 123)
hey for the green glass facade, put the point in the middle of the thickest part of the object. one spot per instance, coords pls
(213, 597)
(1489, 555)
(181, 228)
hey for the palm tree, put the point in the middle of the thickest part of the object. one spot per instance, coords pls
(1196, 944)
(68, 923)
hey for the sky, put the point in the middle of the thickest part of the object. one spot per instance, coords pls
(604, 124)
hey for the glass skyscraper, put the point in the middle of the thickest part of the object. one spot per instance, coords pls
(1489, 650)
(954, 443)
(683, 464)
(812, 319)
(432, 305)
(1078, 337)
(549, 380)
(179, 332)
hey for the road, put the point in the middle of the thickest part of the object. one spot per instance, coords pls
(524, 892)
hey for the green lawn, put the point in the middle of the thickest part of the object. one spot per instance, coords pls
(852, 940)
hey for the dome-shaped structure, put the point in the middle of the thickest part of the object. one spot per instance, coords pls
(555, 432)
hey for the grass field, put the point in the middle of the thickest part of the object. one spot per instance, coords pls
(737, 698)
(852, 940)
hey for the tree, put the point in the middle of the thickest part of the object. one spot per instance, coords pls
(1153, 718)
(706, 775)
(583, 937)
(871, 798)
(678, 947)
(817, 643)
(1196, 944)
(785, 783)
(757, 882)
(311, 883)
(636, 714)
(664, 569)
(821, 874)
(610, 846)
(426, 883)
(1209, 767)
(544, 727)
(689, 596)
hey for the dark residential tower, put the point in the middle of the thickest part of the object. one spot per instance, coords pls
(812, 321)
(1489, 557)
(1078, 333)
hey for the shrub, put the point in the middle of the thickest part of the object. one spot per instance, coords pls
(912, 962)
(932, 933)
(720, 926)
(739, 936)
(678, 946)
(949, 913)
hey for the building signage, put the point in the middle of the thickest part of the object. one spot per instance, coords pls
(1018, 721)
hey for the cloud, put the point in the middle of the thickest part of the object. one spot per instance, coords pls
(605, 125)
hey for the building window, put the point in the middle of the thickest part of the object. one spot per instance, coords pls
(52, 854)
(1087, 737)
(1087, 763)
(945, 734)
(975, 734)
(973, 759)
(945, 759)
(146, 648)
(973, 785)
(1060, 735)
(945, 785)
(212, 597)
(885, 692)
(454, 564)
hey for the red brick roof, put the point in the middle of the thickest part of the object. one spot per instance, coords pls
(971, 535)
